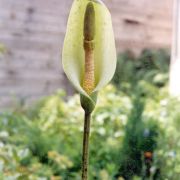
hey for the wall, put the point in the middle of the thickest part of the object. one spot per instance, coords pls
(33, 32)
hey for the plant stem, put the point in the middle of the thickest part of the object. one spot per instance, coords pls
(85, 156)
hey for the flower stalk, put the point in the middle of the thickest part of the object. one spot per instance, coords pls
(85, 157)
(89, 58)
(89, 79)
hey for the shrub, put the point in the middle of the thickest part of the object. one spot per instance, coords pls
(151, 66)
(133, 117)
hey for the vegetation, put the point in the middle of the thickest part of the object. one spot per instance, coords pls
(134, 130)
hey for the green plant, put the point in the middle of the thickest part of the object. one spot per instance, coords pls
(89, 58)
(150, 66)
(37, 143)
(46, 139)
(167, 157)
(131, 152)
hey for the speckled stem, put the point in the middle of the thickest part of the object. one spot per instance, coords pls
(85, 157)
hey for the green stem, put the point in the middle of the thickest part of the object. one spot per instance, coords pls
(85, 156)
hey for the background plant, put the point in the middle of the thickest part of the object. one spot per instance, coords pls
(37, 143)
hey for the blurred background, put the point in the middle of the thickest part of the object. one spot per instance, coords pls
(32, 32)
(135, 126)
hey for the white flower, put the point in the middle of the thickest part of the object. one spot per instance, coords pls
(89, 53)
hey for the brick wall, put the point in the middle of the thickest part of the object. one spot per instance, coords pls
(33, 32)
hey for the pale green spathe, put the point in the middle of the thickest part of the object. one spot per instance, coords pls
(104, 52)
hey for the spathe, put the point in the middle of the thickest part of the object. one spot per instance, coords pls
(104, 51)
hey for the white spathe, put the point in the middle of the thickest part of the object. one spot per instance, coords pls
(104, 51)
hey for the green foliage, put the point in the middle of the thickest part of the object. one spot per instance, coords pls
(45, 141)
(140, 137)
(130, 161)
(48, 143)
(167, 155)
(51, 141)
(151, 66)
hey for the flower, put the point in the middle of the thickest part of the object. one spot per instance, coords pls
(89, 53)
